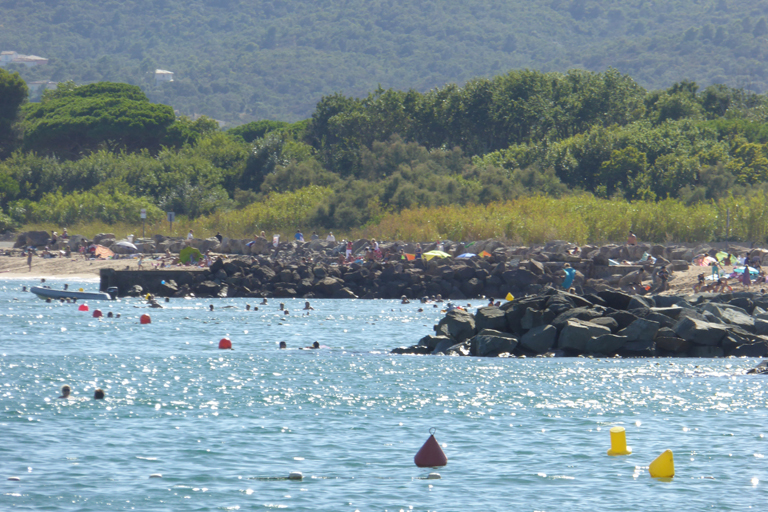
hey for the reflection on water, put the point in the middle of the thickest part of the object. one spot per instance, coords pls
(224, 428)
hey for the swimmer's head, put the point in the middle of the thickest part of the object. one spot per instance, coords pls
(283, 345)
(316, 345)
(65, 391)
(98, 394)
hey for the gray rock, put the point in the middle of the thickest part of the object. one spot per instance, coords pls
(672, 312)
(105, 239)
(646, 348)
(540, 339)
(672, 344)
(605, 344)
(576, 334)
(761, 326)
(731, 315)
(759, 349)
(491, 318)
(699, 332)
(706, 351)
(458, 324)
(623, 318)
(491, 343)
(443, 346)
(430, 341)
(614, 299)
(761, 369)
(608, 322)
(640, 330)
(577, 313)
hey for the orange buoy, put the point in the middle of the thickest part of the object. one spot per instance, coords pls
(97, 313)
(430, 455)
(225, 344)
(145, 319)
(83, 307)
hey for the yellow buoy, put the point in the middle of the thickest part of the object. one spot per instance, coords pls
(663, 466)
(619, 442)
(510, 297)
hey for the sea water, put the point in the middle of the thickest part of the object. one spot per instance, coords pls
(224, 428)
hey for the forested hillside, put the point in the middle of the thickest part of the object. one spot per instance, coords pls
(241, 61)
(578, 154)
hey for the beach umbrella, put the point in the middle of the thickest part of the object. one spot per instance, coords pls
(435, 254)
(127, 245)
(740, 270)
(466, 255)
(190, 255)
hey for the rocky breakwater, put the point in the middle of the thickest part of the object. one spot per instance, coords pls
(606, 323)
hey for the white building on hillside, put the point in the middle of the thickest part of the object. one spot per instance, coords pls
(162, 75)
(11, 57)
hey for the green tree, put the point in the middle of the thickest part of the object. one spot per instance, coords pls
(13, 93)
(74, 122)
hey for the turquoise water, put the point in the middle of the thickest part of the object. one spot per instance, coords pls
(224, 427)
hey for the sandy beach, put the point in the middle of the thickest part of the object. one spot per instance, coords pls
(15, 267)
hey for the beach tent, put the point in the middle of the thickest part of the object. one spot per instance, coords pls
(102, 252)
(435, 254)
(721, 256)
(485, 254)
(190, 255)
(409, 256)
(467, 255)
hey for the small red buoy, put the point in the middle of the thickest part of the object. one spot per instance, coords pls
(97, 313)
(225, 344)
(83, 307)
(145, 319)
(430, 455)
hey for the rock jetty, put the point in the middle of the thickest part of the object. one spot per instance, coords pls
(605, 323)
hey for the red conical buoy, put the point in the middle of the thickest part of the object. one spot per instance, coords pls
(82, 307)
(97, 313)
(145, 319)
(225, 343)
(430, 455)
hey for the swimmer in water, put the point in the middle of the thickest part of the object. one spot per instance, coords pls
(110, 315)
(286, 312)
(247, 307)
(65, 391)
(282, 306)
(283, 344)
(264, 301)
(98, 394)
(307, 307)
(315, 345)
(210, 307)
(404, 300)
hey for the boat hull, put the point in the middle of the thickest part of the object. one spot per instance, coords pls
(49, 293)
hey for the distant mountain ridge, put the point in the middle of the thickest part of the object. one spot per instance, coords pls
(240, 61)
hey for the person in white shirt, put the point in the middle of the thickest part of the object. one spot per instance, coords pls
(191, 235)
(331, 238)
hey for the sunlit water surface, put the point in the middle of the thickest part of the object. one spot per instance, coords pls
(224, 428)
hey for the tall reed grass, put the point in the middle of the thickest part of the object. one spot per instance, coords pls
(530, 220)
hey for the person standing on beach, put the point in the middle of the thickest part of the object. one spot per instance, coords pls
(30, 252)
(746, 279)
(330, 237)
(631, 239)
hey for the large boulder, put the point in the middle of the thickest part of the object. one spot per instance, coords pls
(577, 313)
(491, 318)
(731, 315)
(105, 239)
(432, 341)
(700, 332)
(605, 344)
(614, 299)
(491, 343)
(540, 339)
(576, 334)
(33, 238)
(458, 324)
(640, 330)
